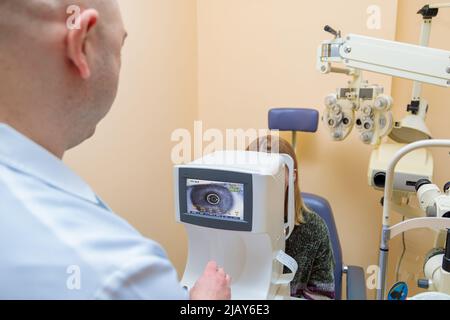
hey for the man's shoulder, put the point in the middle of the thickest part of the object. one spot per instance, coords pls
(26, 193)
(73, 222)
(11, 184)
(77, 232)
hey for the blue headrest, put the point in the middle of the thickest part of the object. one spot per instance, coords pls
(294, 119)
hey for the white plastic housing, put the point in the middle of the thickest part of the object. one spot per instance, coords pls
(249, 257)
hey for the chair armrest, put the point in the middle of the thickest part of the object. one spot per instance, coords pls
(356, 283)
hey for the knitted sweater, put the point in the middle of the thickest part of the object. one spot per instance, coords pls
(309, 244)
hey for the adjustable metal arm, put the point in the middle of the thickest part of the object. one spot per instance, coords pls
(414, 62)
(353, 54)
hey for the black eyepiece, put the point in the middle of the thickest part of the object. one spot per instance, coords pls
(447, 186)
(421, 183)
(379, 179)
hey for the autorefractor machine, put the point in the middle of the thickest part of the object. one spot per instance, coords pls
(232, 205)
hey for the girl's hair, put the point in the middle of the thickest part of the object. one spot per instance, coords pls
(272, 144)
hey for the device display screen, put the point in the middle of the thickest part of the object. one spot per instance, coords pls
(223, 200)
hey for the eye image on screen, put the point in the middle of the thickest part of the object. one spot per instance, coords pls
(217, 199)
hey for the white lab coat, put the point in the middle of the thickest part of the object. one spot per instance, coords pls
(58, 240)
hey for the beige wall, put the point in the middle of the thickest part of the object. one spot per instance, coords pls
(226, 62)
(128, 160)
(418, 242)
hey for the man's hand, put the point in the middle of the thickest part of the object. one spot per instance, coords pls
(214, 284)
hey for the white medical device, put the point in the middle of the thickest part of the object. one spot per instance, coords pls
(366, 106)
(437, 270)
(232, 205)
(413, 167)
(432, 201)
(437, 264)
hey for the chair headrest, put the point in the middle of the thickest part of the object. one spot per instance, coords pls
(294, 119)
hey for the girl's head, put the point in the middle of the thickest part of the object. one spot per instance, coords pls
(272, 144)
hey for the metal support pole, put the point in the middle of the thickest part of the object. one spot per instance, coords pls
(294, 140)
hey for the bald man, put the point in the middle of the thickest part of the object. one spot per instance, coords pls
(58, 240)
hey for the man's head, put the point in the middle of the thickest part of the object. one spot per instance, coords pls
(59, 67)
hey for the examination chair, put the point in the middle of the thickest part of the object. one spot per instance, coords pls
(307, 120)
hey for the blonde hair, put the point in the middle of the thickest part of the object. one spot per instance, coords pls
(272, 144)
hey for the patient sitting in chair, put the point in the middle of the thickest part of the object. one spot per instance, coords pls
(309, 243)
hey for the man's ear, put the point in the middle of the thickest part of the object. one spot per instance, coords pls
(76, 42)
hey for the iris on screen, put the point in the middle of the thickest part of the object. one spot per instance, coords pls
(215, 199)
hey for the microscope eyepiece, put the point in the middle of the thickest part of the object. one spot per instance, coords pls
(421, 183)
(379, 179)
(447, 187)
